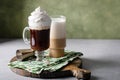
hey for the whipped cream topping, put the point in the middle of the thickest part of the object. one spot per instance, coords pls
(39, 19)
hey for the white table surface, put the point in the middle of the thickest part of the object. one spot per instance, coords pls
(102, 57)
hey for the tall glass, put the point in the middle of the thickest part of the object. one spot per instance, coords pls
(57, 36)
(39, 40)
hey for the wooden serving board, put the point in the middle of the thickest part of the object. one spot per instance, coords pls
(64, 72)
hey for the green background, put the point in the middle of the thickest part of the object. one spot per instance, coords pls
(96, 19)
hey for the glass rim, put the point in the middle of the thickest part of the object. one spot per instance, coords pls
(58, 17)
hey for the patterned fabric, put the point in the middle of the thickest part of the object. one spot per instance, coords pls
(51, 64)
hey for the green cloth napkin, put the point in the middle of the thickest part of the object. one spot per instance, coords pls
(51, 64)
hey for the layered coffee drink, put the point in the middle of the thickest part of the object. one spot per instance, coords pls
(39, 24)
(57, 36)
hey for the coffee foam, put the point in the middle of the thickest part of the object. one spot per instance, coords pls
(57, 30)
(40, 28)
(39, 19)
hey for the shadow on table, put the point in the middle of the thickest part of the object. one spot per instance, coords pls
(93, 65)
(94, 78)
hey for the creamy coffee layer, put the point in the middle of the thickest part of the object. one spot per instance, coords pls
(57, 43)
(58, 28)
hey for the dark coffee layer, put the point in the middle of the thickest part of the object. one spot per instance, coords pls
(39, 39)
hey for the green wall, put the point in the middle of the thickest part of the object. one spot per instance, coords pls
(98, 19)
(11, 16)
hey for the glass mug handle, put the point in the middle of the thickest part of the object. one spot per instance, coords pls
(26, 40)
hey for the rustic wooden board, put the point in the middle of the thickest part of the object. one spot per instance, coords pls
(64, 72)
(45, 74)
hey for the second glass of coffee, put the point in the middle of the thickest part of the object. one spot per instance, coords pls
(57, 36)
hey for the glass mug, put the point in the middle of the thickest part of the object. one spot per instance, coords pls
(39, 40)
(57, 36)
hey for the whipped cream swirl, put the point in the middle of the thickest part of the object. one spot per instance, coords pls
(39, 19)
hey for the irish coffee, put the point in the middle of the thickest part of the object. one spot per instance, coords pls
(39, 27)
(39, 39)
